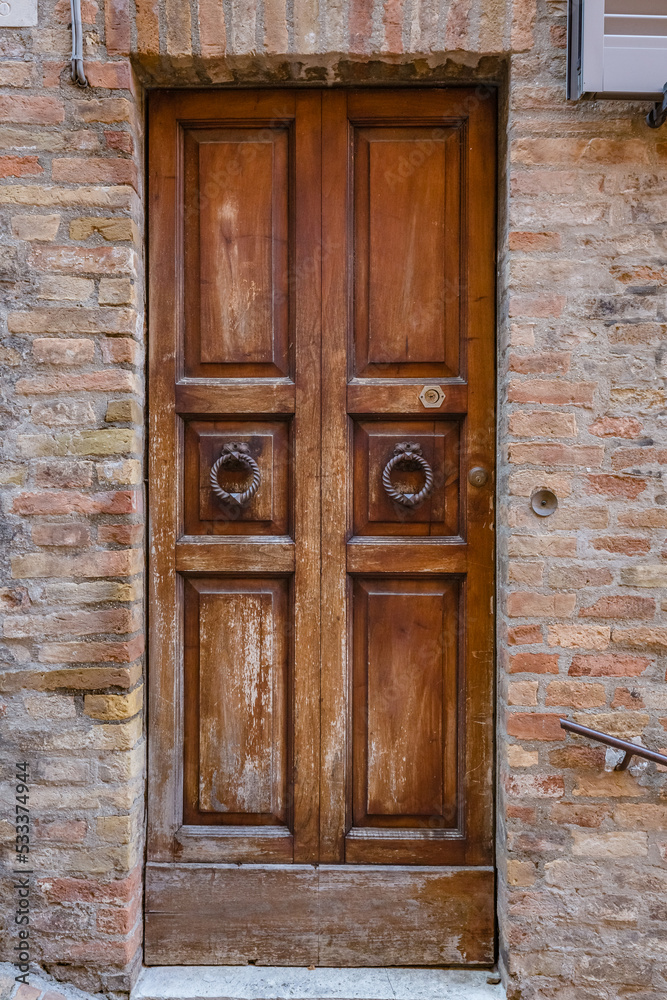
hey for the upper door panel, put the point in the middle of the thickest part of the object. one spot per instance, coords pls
(237, 251)
(407, 232)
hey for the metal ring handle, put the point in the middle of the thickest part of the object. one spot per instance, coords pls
(407, 453)
(236, 452)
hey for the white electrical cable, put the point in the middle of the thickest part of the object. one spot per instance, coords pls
(78, 74)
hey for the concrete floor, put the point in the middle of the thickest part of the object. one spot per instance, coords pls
(250, 982)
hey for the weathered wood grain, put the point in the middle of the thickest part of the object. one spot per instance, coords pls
(326, 915)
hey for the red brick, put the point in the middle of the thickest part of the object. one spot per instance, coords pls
(524, 813)
(577, 636)
(534, 726)
(542, 423)
(551, 152)
(25, 992)
(65, 831)
(542, 545)
(107, 109)
(121, 141)
(114, 620)
(15, 74)
(616, 427)
(576, 577)
(625, 698)
(94, 170)
(625, 487)
(91, 890)
(103, 953)
(608, 665)
(558, 392)
(534, 663)
(578, 815)
(77, 535)
(111, 75)
(537, 843)
(576, 694)
(92, 652)
(571, 183)
(119, 534)
(119, 350)
(528, 242)
(83, 260)
(117, 920)
(65, 351)
(117, 22)
(77, 320)
(77, 679)
(524, 15)
(642, 637)
(531, 574)
(526, 604)
(620, 607)
(51, 73)
(644, 274)
(20, 166)
(538, 306)
(213, 35)
(652, 517)
(524, 635)
(577, 757)
(622, 544)
(534, 786)
(62, 12)
(116, 502)
(59, 474)
(102, 381)
(534, 364)
(121, 562)
(547, 453)
(26, 110)
(626, 458)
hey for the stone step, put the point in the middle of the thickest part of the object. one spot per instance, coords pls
(251, 982)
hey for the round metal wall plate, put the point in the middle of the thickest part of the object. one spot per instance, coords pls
(544, 502)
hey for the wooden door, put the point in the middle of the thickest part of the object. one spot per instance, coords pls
(321, 507)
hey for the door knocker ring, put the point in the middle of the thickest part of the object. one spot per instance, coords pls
(236, 452)
(407, 453)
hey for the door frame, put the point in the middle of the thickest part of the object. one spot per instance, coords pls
(160, 851)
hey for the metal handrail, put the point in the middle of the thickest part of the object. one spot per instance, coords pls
(631, 749)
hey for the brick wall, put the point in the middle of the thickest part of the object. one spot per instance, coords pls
(583, 631)
(72, 502)
(581, 410)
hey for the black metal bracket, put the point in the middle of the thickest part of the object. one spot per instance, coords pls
(657, 116)
(630, 749)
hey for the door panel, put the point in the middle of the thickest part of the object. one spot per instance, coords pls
(406, 212)
(268, 511)
(405, 684)
(342, 915)
(237, 249)
(321, 673)
(374, 511)
(236, 642)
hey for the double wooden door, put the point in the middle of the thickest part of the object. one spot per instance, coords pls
(321, 527)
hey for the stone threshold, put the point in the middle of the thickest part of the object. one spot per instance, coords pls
(251, 982)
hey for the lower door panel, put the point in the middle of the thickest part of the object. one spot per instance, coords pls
(330, 915)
